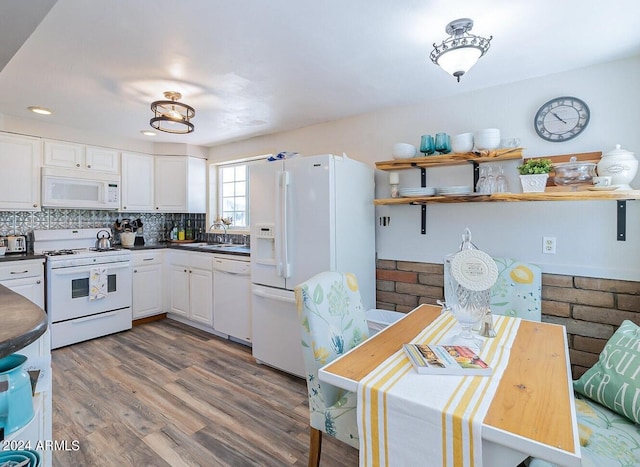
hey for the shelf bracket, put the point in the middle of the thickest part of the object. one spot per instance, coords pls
(423, 208)
(476, 174)
(622, 220)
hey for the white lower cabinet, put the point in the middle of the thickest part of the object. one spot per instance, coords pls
(26, 277)
(190, 286)
(147, 283)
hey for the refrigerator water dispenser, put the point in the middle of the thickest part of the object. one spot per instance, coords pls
(265, 245)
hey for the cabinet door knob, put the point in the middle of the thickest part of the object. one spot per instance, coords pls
(88, 166)
(38, 281)
(186, 270)
(77, 165)
(124, 207)
(135, 270)
(35, 205)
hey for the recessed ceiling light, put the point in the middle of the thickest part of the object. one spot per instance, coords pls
(40, 110)
(148, 132)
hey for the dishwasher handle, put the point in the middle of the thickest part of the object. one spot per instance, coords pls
(238, 268)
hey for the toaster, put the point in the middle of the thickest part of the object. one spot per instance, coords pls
(16, 244)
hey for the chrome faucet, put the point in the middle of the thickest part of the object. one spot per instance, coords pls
(217, 224)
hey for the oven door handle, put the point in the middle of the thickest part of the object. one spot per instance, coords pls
(75, 269)
(94, 317)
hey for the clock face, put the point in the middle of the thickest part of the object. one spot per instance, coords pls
(561, 119)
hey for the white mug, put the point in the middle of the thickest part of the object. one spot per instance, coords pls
(604, 180)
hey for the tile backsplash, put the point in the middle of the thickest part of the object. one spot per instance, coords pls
(24, 222)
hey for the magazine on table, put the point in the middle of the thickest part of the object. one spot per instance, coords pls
(430, 359)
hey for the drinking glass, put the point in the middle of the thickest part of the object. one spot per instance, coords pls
(427, 146)
(482, 179)
(490, 184)
(443, 145)
(502, 184)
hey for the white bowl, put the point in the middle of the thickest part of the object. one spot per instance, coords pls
(462, 143)
(487, 139)
(404, 151)
(488, 131)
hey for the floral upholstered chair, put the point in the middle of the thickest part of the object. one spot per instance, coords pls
(517, 291)
(333, 321)
(607, 439)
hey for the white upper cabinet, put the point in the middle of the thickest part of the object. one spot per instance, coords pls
(79, 156)
(102, 159)
(180, 184)
(20, 162)
(137, 192)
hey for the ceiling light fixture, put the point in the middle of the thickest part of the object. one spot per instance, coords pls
(459, 52)
(40, 110)
(172, 116)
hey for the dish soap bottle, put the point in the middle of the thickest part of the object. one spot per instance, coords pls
(180, 231)
(188, 234)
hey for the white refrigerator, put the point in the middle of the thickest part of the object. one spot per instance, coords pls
(308, 214)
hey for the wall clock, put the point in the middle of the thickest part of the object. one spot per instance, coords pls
(561, 119)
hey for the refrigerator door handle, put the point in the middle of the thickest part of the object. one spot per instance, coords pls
(286, 272)
(278, 224)
(279, 298)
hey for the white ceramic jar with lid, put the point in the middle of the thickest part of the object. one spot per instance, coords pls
(621, 165)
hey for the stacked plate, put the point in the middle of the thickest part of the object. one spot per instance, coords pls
(455, 190)
(417, 192)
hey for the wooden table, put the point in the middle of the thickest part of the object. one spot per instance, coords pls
(532, 413)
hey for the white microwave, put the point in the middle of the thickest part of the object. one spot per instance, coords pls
(79, 189)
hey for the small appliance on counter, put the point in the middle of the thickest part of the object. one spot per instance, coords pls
(16, 244)
(137, 227)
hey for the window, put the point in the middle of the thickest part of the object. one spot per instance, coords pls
(233, 194)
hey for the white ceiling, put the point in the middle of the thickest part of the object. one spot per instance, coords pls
(252, 67)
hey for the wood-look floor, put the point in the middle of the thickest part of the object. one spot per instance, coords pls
(165, 394)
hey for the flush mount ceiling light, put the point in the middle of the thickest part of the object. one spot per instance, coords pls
(459, 52)
(40, 110)
(172, 116)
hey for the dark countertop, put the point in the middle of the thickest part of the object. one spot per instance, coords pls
(240, 250)
(19, 257)
(23, 322)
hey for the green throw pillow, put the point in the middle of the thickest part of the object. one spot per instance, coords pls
(614, 381)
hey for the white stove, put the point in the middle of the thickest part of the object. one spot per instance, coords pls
(88, 290)
(83, 256)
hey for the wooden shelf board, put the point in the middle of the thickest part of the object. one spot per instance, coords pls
(584, 195)
(451, 159)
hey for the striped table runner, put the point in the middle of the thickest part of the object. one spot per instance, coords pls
(409, 419)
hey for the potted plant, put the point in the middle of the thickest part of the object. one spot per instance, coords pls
(534, 174)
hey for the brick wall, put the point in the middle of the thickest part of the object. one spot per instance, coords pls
(591, 309)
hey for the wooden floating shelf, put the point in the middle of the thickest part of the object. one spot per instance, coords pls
(451, 159)
(502, 197)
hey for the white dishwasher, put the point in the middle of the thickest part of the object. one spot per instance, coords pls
(232, 296)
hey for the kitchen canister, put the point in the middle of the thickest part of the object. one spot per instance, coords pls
(621, 165)
(16, 397)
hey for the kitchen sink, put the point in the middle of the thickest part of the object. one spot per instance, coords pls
(209, 246)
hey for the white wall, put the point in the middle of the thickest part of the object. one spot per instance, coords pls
(585, 231)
